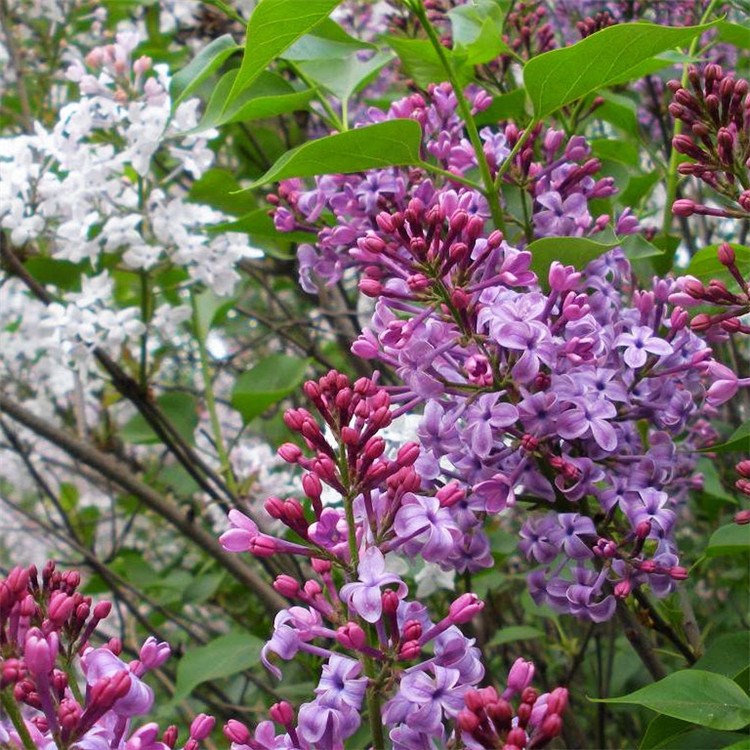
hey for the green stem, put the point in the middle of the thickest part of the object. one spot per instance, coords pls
(333, 118)
(226, 466)
(505, 166)
(373, 707)
(490, 188)
(672, 175)
(449, 175)
(14, 714)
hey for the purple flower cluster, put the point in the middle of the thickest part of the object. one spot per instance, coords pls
(541, 396)
(45, 629)
(557, 176)
(375, 642)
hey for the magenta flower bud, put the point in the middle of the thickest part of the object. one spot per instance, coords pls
(678, 573)
(516, 738)
(562, 278)
(623, 589)
(412, 630)
(263, 546)
(153, 653)
(683, 207)
(40, 651)
(643, 529)
(407, 454)
(390, 601)
(460, 299)
(351, 636)
(551, 727)
(374, 448)
(418, 282)
(282, 713)
(312, 589)
(286, 586)
(557, 701)
(321, 567)
(743, 485)
(290, 453)
(741, 517)
(60, 608)
(169, 738)
(312, 486)
(701, 322)
(467, 721)
(201, 726)
(520, 676)
(69, 714)
(450, 494)
(235, 731)
(370, 287)
(274, 506)
(465, 608)
(678, 319)
(647, 566)
(726, 254)
(102, 610)
(743, 468)
(409, 650)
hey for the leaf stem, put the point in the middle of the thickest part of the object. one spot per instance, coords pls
(200, 335)
(490, 188)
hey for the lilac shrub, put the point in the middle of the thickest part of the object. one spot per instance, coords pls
(533, 390)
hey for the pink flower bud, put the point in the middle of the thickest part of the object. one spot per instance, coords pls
(169, 738)
(520, 676)
(201, 726)
(282, 713)
(290, 453)
(236, 732)
(409, 650)
(623, 589)
(726, 254)
(683, 207)
(407, 454)
(286, 586)
(678, 573)
(465, 608)
(40, 651)
(351, 636)
(742, 517)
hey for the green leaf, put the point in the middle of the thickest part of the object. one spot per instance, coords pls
(343, 76)
(209, 59)
(219, 189)
(732, 539)
(733, 33)
(477, 31)
(570, 251)
(704, 698)
(269, 96)
(661, 731)
(510, 106)
(179, 408)
(611, 55)
(222, 657)
(619, 150)
(327, 42)
(273, 27)
(209, 308)
(636, 246)
(705, 265)
(267, 383)
(62, 273)
(387, 144)
(620, 111)
(421, 61)
(722, 654)
(739, 440)
(743, 744)
(515, 633)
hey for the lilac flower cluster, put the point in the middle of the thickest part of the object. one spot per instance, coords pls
(716, 113)
(575, 391)
(374, 640)
(556, 175)
(45, 629)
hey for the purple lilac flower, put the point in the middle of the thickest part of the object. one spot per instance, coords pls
(364, 596)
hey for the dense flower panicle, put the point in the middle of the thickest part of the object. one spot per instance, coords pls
(428, 664)
(557, 174)
(527, 394)
(45, 627)
(715, 113)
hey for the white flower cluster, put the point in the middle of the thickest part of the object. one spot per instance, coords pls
(102, 181)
